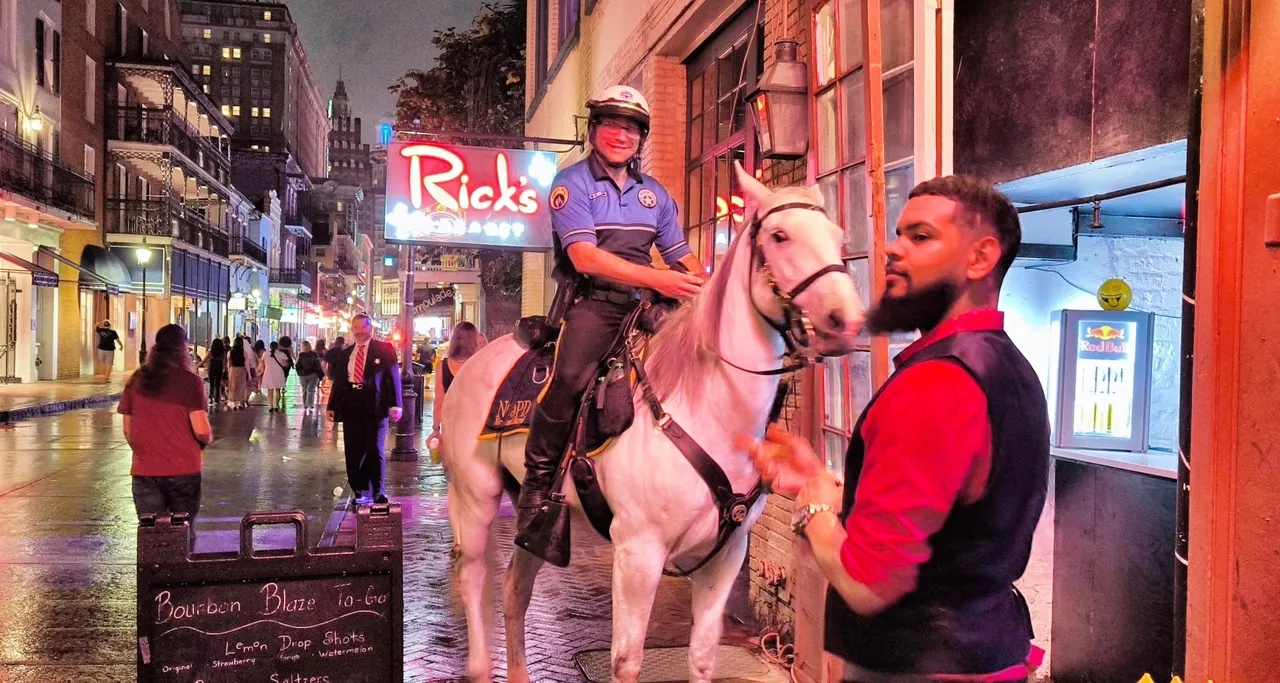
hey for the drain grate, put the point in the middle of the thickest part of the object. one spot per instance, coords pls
(671, 664)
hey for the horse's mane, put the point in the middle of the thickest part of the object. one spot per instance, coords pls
(687, 348)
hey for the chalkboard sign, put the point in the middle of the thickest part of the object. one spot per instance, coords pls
(325, 615)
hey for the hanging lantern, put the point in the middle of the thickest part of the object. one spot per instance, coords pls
(779, 105)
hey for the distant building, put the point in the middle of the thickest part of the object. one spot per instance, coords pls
(248, 57)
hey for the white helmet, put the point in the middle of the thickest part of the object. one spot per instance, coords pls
(620, 100)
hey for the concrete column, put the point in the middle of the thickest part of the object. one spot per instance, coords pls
(536, 287)
(1233, 606)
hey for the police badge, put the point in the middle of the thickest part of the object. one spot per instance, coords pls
(648, 198)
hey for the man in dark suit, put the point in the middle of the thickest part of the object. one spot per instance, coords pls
(366, 392)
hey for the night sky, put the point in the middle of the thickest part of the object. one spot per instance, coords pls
(375, 42)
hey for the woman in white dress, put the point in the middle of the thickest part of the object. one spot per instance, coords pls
(272, 367)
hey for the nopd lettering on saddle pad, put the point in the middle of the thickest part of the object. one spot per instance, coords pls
(512, 408)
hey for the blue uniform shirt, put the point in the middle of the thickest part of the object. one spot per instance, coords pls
(586, 206)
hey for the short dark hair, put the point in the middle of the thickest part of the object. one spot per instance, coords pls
(362, 316)
(981, 204)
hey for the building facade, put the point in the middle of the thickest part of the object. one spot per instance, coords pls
(249, 57)
(887, 106)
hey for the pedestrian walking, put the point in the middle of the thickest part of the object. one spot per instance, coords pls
(286, 345)
(166, 422)
(255, 379)
(332, 358)
(238, 375)
(923, 545)
(309, 375)
(366, 393)
(214, 364)
(273, 368)
(105, 354)
(464, 342)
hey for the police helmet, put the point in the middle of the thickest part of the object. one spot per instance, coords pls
(623, 101)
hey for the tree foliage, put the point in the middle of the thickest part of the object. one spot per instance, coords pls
(476, 85)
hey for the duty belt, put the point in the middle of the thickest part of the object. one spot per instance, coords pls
(612, 294)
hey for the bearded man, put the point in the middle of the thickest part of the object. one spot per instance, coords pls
(947, 467)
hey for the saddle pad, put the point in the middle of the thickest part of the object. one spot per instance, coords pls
(512, 408)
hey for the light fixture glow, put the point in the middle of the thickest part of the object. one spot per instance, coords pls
(144, 255)
(10, 214)
(35, 122)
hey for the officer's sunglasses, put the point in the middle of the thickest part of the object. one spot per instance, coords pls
(621, 126)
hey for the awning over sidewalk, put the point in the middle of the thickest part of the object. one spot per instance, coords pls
(99, 269)
(40, 277)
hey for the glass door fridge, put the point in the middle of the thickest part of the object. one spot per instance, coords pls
(1104, 380)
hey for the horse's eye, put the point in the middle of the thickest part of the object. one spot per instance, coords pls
(779, 236)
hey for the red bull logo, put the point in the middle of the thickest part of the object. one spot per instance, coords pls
(1105, 333)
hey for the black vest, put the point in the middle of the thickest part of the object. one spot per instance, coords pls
(964, 617)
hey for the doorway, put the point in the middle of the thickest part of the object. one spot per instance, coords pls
(9, 330)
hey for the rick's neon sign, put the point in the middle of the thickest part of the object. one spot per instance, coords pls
(447, 194)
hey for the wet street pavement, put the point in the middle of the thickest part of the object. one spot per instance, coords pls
(68, 547)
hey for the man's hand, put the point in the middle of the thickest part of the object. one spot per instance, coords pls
(329, 415)
(675, 285)
(825, 488)
(786, 461)
(396, 413)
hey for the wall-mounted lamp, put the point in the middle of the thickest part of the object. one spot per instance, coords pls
(35, 122)
(779, 105)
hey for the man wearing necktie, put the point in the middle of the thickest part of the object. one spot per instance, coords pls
(366, 392)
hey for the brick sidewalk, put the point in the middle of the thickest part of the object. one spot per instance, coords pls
(571, 608)
(23, 401)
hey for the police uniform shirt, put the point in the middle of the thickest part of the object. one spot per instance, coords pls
(588, 207)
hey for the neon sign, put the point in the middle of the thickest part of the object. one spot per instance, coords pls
(467, 196)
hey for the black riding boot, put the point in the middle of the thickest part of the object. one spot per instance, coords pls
(542, 525)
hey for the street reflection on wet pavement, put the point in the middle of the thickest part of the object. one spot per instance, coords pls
(68, 548)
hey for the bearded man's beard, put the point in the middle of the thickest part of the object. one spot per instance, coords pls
(923, 309)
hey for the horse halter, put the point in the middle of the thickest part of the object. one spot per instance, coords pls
(795, 327)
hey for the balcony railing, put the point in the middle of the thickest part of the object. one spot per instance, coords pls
(38, 177)
(162, 218)
(161, 126)
(247, 247)
(291, 276)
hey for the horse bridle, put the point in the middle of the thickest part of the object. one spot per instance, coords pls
(795, 327)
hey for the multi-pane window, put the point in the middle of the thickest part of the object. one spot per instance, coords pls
(542, 30)
(207, 34)
(716, 136)
(570, 15)
(266, 15)
(841, 135)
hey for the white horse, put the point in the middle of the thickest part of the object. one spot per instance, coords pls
(663, 512)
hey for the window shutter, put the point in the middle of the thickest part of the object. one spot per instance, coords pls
(57, 63)
(40, 79)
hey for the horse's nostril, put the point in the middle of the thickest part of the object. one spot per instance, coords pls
(837, 320)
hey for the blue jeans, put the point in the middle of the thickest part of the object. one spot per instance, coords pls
(167, 495)
(309, 385)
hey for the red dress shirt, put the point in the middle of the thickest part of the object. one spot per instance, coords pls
(928, 446)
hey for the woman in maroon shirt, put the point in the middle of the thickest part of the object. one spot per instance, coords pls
(166, 422)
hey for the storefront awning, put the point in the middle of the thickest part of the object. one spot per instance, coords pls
(99, 269)
(40, 277)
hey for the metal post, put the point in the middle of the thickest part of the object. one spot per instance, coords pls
(142, 350)
(406, 429)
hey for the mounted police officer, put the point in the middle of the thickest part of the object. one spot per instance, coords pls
(607, 217)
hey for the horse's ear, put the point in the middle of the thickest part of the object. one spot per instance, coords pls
(815, 193)
(755, 193)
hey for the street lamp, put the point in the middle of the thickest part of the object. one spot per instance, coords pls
(779, 105)
(144, 257)
(35, 122)
(406, 429)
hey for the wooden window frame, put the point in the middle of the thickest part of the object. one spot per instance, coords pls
(738, 33)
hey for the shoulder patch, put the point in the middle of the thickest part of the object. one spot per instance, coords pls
(648, 199)
(559, 197)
